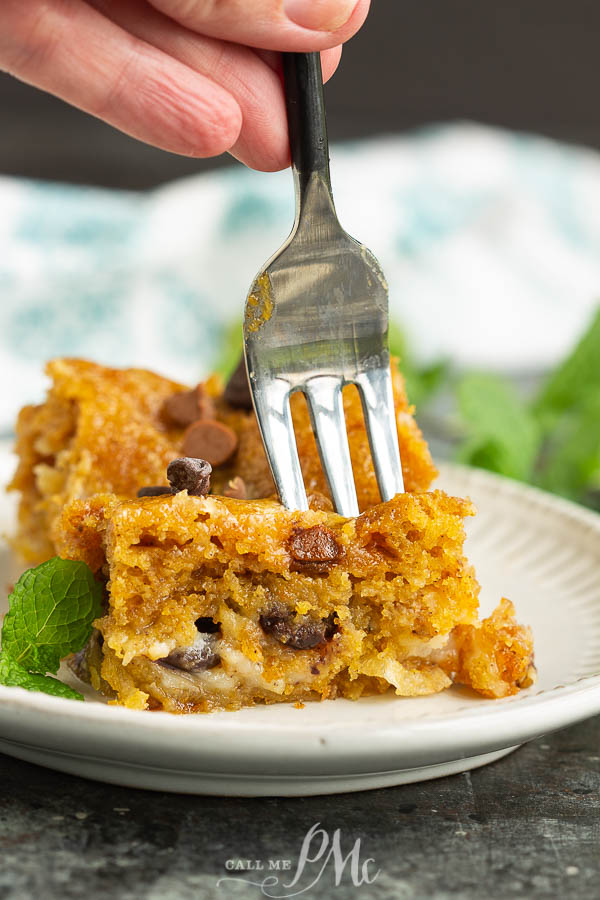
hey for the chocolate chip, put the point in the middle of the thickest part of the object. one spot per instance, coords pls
(191, 475)
(314, 548)
(181, 408)
(207, 625)
(301, 633)
(158, 491)
(276, 626)
(198, 657)
(237, 390)
(186, 407)
(236, 489)
(331, 626)
(206, 407)
(210, 440)
(306, 636)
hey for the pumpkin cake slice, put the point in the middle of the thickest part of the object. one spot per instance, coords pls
(219, 603)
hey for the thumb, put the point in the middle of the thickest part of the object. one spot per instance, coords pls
(296, 25)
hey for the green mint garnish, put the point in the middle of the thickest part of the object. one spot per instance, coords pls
(422, 382)
(501, 433)
(571, 460)
(231, 348)
(575, 378)
(14, 675)
(51, 611)
(553, 440)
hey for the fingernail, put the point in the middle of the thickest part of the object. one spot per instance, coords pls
(319, 15)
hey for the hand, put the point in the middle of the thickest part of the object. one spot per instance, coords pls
(196, 77)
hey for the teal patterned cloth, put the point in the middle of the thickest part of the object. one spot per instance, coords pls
(490, 242)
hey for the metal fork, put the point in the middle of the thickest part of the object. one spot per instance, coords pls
(316, 319)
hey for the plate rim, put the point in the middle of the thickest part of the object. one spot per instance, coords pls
(486, 723)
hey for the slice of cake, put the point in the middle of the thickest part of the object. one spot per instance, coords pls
(116, 430)
(218, 603)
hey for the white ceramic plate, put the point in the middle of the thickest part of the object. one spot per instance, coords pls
(540, 551)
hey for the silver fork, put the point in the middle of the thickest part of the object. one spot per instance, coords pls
(316, 319)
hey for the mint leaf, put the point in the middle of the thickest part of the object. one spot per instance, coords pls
(570, 461)
(578, 374)
(422, 384)
(51, 611)
(501, 433)
(14, 675)
(421, 381)
(230, 350)
(568, 410)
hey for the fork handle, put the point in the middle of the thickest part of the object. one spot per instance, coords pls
(307, 124)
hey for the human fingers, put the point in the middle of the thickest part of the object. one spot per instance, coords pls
(296, 25)
(255, 85)
(253, 78)
(69, 49)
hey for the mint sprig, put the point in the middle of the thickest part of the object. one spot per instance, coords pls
(14, 675)
(576, 378)
(230, 349)
(552, 440)
(422, 382)
(51, 611)
(501, 433)
(570, 464)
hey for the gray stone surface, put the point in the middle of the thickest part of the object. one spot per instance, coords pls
(527, 826)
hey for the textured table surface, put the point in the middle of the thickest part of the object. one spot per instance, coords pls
(527, 826)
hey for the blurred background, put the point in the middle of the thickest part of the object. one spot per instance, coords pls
(465, 142)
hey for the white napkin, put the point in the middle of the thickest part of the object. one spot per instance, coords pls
(490, 242)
